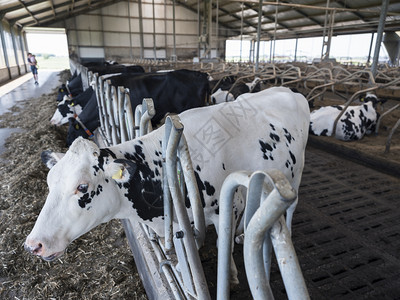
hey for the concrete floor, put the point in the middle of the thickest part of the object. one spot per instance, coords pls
(22, 89)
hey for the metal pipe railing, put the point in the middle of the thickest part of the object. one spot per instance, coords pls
(389, 138)
(185, 233)
(383, 115)
(123, 126)
(148, 112)
(225, 231)
(102, 108)
(347, 104)
(110, 112)
(258, 221)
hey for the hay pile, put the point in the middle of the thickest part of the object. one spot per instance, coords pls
(98, 265)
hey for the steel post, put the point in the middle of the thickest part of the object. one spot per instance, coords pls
(225, 230)
(381, 27)
(180, 208)
(287, 261)
(123, 131)
(259, 32)
(265, 218)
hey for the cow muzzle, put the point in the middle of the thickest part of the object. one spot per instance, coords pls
(39, 249)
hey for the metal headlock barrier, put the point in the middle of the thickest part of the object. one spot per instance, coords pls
(171, 263)
(265, 228)
(178, 256)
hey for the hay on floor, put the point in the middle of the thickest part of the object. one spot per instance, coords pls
(98, 265)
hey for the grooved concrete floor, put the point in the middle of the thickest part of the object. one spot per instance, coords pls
(346, 233)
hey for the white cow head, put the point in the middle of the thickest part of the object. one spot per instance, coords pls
(82, 194)
(221, 96)
(65, 109)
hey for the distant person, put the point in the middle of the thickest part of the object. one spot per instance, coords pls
(33, 63)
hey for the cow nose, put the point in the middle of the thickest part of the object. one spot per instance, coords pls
(34, 248)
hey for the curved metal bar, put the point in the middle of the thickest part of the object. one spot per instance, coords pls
(102, 104)
(192, 191)
(123, 131)
(96, 87)
(138, 117)
(128, 116)
(382, 115)
(389, 139)
(287, 261)
(271, 209)
(148, 112)
(397, 80)
(115, 116)
(110, 112)
(180, 209)
(347, 104)
(225, 231)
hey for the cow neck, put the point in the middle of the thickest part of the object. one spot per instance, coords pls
(88, 132)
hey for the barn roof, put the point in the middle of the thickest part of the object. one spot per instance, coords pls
(282, 19)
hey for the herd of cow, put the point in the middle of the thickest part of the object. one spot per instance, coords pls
(258, 129)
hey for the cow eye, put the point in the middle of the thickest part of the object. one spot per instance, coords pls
(82, 188)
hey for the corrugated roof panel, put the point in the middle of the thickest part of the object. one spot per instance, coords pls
(302, 18)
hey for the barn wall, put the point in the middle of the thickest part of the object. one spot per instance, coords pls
(12, 52)
(115, 31)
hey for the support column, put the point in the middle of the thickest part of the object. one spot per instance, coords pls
(23, 50)
(154, 31)
(174, 58)
(370, 48)
(130, 30)
(381, 27)
(199, 29)
(141, 29)
(78, 50)
(258, 32)
(15, 47)
(3, 43)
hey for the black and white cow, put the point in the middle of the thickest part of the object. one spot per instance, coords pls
(89, 186)
(223, 92)
(87, 123)
(111, 69)
(172, 92)
(69, 108)
(71, 88)
(352, 125)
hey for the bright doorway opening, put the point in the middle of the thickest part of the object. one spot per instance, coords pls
(50, 47)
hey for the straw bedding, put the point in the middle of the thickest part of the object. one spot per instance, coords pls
(98, 265)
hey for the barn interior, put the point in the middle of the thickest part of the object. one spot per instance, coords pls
(346, 224)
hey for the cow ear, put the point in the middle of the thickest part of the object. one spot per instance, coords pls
(121, 170)
(50, 158)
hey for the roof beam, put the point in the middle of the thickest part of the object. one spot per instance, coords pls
(72, 5)
(79, 9)
(357, 14)
(44, 10)
(265, 16)
(52, 7)
(195, 11)
(305, 15)
(19, 6)
(29, 12)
